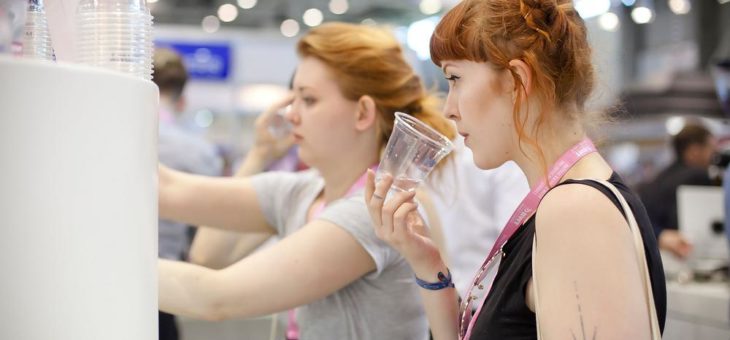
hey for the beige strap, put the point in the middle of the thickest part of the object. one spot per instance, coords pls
(640, 257)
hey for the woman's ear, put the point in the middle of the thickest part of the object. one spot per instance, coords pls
(524, 72)
(366, 113)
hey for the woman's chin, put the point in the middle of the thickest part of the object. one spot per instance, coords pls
(305, 157)
(487, 163)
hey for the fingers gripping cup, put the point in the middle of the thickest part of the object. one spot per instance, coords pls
(413, 150)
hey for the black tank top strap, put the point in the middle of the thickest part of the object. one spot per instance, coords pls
(607, 192)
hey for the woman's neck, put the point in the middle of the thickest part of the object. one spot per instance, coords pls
(340, 174)
(553, 143)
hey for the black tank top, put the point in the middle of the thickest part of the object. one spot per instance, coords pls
(505, 315)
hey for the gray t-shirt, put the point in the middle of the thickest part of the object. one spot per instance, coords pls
(381, 305)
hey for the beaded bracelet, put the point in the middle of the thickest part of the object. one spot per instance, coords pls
(444, 282)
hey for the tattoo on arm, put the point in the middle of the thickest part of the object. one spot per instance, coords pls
(580, 315)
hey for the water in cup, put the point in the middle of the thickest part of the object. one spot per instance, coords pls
(407, 184)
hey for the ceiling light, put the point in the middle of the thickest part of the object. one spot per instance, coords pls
(609, 21)
(628, 3)
(227, 12)
(312, 17)
(642, 15)
(246, 4)
(289, 28)
(338, 6)
(680, 7)
(674, 125)
(418, 37)
(430, 7)
(592, 8)
(211, 24)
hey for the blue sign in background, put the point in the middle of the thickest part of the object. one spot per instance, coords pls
(204, 60)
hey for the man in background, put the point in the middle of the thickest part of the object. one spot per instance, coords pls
(694, 147)
(181, 150)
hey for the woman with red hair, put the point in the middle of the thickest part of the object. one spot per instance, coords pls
(578, 259)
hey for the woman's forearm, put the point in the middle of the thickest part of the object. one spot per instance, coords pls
(218, 249)
(255, 162)
(442, 306)
(223, 203)
(186, 289)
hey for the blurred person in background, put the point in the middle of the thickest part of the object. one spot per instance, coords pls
(180, 150)
(721, 74)
(344, 282)
(694, 148)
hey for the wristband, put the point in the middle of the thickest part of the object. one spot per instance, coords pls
(444, 282)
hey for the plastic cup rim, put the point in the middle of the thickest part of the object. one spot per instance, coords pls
(443, 142)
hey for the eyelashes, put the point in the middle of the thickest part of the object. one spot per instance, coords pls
(452, 78)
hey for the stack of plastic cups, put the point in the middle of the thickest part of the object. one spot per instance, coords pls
(37, 40)
(117, 35)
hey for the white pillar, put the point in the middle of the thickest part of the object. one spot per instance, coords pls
(78, 203)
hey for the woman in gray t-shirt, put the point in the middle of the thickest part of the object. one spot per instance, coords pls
(344, 282)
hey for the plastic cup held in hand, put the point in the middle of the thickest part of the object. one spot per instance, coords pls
(413, 150)
(278, 125)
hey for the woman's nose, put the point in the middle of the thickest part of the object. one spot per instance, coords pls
(451, 110)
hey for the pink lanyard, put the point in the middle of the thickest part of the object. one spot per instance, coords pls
(526, 209)
(292, 330)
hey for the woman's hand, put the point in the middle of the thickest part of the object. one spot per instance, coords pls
(398, 223)
(267, 147)
(272, 146)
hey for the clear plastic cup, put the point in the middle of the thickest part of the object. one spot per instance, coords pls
(413, 150)
(278, 125)
(37, 40)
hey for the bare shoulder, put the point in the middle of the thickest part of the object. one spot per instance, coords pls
(584, 256)
(577, 205)
(583, 220)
